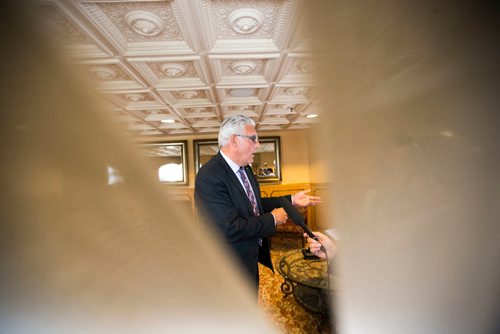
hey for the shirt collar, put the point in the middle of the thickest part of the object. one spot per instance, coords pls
(233, 165)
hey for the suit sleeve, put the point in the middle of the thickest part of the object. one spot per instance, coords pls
(271, 203)
(222, 205)
(268, 203)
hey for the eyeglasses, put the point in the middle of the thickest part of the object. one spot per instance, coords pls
(253, 138)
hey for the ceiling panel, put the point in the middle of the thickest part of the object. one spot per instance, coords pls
(190, 63)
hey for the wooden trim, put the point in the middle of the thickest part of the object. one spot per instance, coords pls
(267, 190)
(316, 223)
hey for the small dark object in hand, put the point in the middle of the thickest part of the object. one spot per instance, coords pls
(308, 255)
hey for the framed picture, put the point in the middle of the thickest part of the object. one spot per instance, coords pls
(266, 163)
(169, 159)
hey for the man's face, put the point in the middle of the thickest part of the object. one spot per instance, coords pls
(246, 145)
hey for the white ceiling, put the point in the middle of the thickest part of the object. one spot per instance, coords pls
(191, 60)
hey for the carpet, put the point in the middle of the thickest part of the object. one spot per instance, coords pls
(288, 316)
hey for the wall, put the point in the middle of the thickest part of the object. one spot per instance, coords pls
(319, 169)
(294, 154)
(296, 171)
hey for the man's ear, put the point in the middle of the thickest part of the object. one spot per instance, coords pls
(234, 141)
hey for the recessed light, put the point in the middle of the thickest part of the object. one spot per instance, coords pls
(311, 116)
(242, 92)
(168, 121)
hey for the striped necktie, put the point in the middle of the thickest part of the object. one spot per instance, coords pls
(248, 189)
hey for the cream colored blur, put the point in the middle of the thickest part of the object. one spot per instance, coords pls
(78, 255)
(411, 127)
(410, 133)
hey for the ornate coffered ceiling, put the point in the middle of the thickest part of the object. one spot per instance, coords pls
(190, 62)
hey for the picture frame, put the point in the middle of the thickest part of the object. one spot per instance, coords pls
(267, 160)
(169, 159)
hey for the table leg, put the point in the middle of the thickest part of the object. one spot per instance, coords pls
(287, 287)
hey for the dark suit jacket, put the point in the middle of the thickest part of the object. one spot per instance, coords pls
(222, 200)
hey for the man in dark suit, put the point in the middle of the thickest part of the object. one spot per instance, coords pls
(228, 195)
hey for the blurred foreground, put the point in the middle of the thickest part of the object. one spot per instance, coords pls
(411, 136)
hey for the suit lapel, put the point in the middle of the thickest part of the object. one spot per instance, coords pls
(234, 179)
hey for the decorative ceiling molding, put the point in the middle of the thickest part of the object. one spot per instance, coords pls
(191, 62)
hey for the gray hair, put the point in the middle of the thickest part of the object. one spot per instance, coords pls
(234, 124)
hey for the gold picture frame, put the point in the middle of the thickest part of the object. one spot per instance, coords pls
(169, 159)
(267, 160)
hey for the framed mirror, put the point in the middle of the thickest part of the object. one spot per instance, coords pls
(169, 159)
(266, 163)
